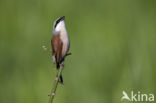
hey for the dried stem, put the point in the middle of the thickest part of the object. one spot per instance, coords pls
(53, 90)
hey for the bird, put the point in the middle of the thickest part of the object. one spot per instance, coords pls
(60, 43)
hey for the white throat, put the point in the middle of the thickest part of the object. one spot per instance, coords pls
(59, 28)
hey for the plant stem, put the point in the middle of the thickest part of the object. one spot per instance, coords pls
(53, 90)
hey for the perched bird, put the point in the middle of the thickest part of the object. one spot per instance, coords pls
(60, 43)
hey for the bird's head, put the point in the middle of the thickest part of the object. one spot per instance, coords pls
(59, 24)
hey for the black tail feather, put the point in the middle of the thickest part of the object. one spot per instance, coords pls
(61, 79)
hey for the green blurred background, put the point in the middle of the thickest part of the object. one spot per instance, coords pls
(112, 44)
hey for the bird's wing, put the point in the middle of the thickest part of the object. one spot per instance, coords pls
(56, 47)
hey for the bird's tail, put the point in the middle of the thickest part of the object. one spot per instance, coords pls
(61, 79)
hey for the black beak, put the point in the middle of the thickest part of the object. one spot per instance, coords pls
(62, 18)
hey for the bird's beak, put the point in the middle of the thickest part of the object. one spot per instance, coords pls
(62, 18)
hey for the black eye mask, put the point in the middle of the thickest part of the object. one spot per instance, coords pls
(60, 19)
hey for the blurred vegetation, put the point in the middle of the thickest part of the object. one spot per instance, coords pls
(112, 44)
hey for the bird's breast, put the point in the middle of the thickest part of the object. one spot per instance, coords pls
(65, 40)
